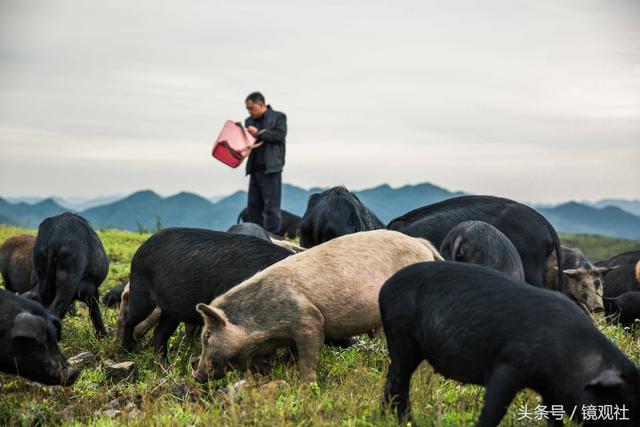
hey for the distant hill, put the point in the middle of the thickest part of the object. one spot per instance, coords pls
(81, 204)
(631, 206)
(72, 203)
(389, 203)
(574, 217)
(386, 202)
(147, 210)
(28, 215)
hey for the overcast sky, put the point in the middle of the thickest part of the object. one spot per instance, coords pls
(533, 100)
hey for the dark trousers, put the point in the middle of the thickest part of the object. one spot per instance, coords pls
(265, 191)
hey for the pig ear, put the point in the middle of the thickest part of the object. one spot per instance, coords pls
(28, 326)
(573, 273)
(607, 379)
(211, 316)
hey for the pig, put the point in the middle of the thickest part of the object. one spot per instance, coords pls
(142, 328)
(480, 326)
(177, 268)
(250, 229)
(480, 243)
(625, 278)
(584, 283)
(29, 342)
(333, 213)
(114, 295)
(630, 257)
(329, 291)
(627, 308)
(532, 235)
(71, 264)
(289, 223)
(16, 266)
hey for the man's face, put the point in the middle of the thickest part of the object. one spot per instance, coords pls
(255, 109)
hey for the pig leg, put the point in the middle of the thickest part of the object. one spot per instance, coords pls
(88, 293)
(309, 337)
(166, 327)
(145, 326)
(191, 332)
(262, 363)
(96, 316)
(378, 332)
(345, 343)
(405, 358)
(139, 307)
(66, 289)
(501, 388)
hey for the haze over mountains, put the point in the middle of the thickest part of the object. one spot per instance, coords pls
(148, 210)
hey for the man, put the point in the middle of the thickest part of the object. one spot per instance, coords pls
(265, 162)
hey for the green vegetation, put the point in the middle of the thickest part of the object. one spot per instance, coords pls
(347, 393)
(597, 248)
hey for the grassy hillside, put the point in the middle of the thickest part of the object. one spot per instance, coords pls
(347, 393)
(146, 210)
(598, 247)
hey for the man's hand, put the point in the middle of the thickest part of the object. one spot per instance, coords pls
(252, 130)
(251, 147)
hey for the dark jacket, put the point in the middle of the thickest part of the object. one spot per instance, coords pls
(272, 132)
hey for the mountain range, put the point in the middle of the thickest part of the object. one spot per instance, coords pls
(146, 210)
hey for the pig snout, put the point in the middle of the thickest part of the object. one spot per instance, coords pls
(69, 376)
(216, 374)
(596, 304)
(199, 376)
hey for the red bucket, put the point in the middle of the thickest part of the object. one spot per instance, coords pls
(233, 144)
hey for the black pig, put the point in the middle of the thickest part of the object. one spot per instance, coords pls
(477, 242)
(29, 342)
(479, 326)
(334, 213)
(177, 268)
(627, 308)
(533, 236)
(71, 264)
(114, 295)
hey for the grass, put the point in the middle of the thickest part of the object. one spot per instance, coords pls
(347, 393)
(597, 248)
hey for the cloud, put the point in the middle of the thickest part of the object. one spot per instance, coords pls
(472, 96)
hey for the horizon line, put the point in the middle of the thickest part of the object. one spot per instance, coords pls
(121, 196)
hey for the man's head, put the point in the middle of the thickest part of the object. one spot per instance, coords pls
(256, 105)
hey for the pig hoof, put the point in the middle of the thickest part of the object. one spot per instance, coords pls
(70, 376)
(343, 343)
(199, 377)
